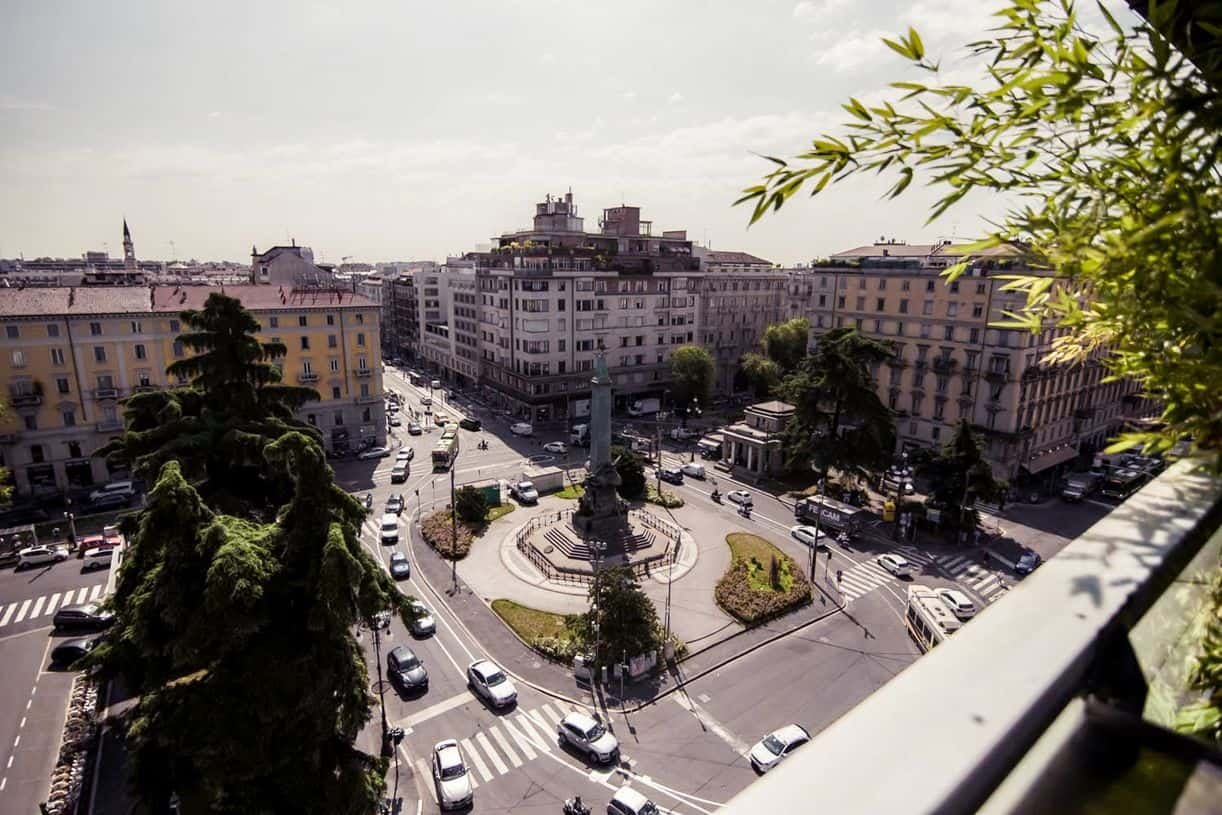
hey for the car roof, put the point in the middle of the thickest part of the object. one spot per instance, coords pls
(448, 752)
(629, 796)
(390, 518)
(956, 595)
(581, 720)
(485, 668)
(791, 733)
(398, 556)
(401, 652)
(894, 558)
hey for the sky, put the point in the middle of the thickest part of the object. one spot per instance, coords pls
(412, 130)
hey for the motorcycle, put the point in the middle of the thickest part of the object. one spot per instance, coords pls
(575, 806)
(744, 511)
(483, 445)
(369, 500)
(716, 496)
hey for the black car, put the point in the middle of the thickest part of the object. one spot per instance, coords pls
(395, 504)
(469, 424)
(400, 568)
(406, 671)
(87, 617)
(69, 651)
(672, 475)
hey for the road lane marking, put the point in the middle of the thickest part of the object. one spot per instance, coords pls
(522, 741)
(21, 614)
(528, 726)
(505, 748)
(437, 709)
(493, 756)
(37, 607)
(7, 614)
(475, 758)
(423, 770)
(736, 744)
(51, 605)
(97, 591)
(552, 714)
(81, 595)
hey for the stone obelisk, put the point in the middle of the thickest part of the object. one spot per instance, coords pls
(599, 511)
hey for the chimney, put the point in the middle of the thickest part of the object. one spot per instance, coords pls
(71, 296)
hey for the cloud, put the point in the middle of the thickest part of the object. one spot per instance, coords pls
(216, 114)
(547, 59)
(16, 103)
(675, 98)
(629, 95)
(851, 50)
(809, 9)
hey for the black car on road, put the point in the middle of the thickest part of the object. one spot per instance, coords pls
(400, 568)
(87, 617)
(406, 671)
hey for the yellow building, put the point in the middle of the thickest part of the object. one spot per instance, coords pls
(69, 355)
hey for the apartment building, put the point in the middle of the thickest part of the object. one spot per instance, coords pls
(950, 365)
(449, 338)
(291, 266)
(68, 356)
(552, 294)
(740, 296)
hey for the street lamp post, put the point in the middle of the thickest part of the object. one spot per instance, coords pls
(901, 484)
(387, 748)
(670, 571)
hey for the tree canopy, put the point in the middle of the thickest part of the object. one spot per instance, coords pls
(692, 374)
(239, 630)
(762, 373)
(1109, 139)
(959, 475)
(628, 622)
(631, 469)
(785, 343)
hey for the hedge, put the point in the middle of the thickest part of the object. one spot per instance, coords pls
(736, 595)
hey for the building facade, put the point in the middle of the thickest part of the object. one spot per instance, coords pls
(740, 296)
(68, 356)
(951, 365)
(754, 447)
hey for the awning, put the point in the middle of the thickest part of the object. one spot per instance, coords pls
(1050, 458)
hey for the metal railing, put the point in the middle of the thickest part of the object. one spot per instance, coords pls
(642, 569)
(1040, 677)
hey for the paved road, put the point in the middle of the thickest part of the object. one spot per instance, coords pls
(35, 699)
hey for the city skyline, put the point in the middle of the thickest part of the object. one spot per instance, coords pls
(316, 126)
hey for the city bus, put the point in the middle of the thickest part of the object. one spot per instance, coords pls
(929, 620)
(1120, 484)
(445, 452)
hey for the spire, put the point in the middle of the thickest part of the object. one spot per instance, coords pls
(129, 250)
(127, 235)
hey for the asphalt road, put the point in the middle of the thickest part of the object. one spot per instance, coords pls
(35, 703)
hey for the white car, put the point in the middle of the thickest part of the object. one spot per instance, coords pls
(451, 776)
(897, 565)
(741, 497)
(424, 624)
(628, 801)
(114, 488)
(522, 429)
(426, 400)
(683, 434)
(693, 469)
(557, 447)
(524, 491)
(588, 736)
(490, 682)
(406, 454)
(390, 529)
(394, 420)
(39, 555)
(373, 452)
(959, 603)
(807, 535)
(776, 746)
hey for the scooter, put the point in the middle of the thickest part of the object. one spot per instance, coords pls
(483, 445)
(575, 806)
(369, 500)
(716, 496)
(744, 511)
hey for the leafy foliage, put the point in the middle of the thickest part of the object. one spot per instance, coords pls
(692, 374)
(438, 532)
(631, 469)
(1110, 139)
(470, 505)
(839, 420)
(753, 593)
(761, 373)
(959, 475)
(785, 343)
(6, 478)
(627, 620)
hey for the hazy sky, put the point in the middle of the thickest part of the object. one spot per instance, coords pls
(409, 130)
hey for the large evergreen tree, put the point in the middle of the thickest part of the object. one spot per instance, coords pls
(839, 421)
(239, 629)
(959, 476)
(627, 620)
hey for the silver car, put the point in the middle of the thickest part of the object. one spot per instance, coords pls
(451, 776)
(777, 746)
(586, 735)
(490, 682)
(424, 624)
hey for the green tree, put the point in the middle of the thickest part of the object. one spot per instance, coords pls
(239, 632)
(1109, 139)
(839, 420)
(692, 374)
(959, 476)
(470, 505)
(761, 373)
(631, 469)
(6, 477)
(785, 343)
(626, 618)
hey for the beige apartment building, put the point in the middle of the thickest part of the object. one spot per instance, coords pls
(740, 296)
(69, 356)
(950, 365)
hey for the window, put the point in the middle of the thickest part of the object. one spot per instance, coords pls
(174, 326)
(74, 449)
(335, 391)
(974, 335)
(861, 302)
(360, 318)
(881, 305)
(305, 342)
(57, 356)
(178, 348)
(954, 287)
(929, 284)
(882, 284)
(69, 417)
(334, 364)
(36, 454)
(360, 338)
(332, 341)
(980, 287)
(274, 322)
(312, 419)
(137, 327)
(61, 384)
(52, 330)
(950, 332)
(95, 329)
(952, 309)
(330, 319)
(904, 305)
(840, 300)
(339, 419)
(906, 285)
(364, 389)
(927, 307)
(99, 353)
(12, 331)
(31, 423)
(140, 352)
(362, 363)
(365, 415)
(302, 321)
(977, 310)
(19, 359)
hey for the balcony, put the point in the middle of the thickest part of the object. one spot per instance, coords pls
(363, 373)
(307, 377)
(9, 438)
(105, 394)
(997, 376)
(944, 365)
(921, 366)
(144, 389)
(371, 399)
(25, 399)
(1065, 717)
(897, 362)
(109, 425)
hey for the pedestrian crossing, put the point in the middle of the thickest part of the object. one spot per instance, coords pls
(964, 569)
(862, 579)
(515, 739)
(47, 604)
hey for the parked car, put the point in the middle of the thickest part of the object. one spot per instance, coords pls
(740, 497)
(693, 469)
(400, 472)
(627, 801)
(396, 504)
(424, 624)
(671, 475)
(39, 556)
(581, 732)
(426, 400)
(435, 385)
(413, 429)
(390, 529)
(405, 670)
(491, 683)
(777, 746)
(524, 491)
(467, 423)
(115, 500)
(959, 603)
(392, 406)
(683, 434)
(97, 558)
(522, 429)
(897, 564)
(808, 536)
(441, 419)
(400, 568)
(85, 617)
(69, 651)
(373, 452)
(557, 447)
(451, 776)
(393, 420)
(126, 489)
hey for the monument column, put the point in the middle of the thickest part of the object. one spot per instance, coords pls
(600, 413)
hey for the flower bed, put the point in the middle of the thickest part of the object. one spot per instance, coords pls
(762, 582)
(437, 532)
(668, 500)
(548, 633)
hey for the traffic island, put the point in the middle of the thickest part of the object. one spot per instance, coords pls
(552, 635)
(762, 582)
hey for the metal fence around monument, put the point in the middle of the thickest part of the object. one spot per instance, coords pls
(643, 569)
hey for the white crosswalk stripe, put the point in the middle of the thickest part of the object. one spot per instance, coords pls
(34, 612)
(96, 592)
(552, 715)
(52, 602)
(8, 613)
(522, 741)
(493, 756)
(474, 757)
(542, 739)
(21, 613)
(862, 579)
(504, 745)
(47, 604)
